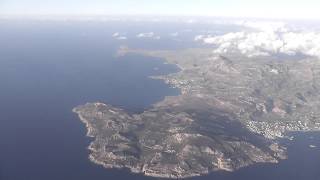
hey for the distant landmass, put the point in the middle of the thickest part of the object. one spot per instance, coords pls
(231, 113)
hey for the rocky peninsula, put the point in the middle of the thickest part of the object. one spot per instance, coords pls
(231, 113)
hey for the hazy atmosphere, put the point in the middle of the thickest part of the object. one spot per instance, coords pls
(227, 8)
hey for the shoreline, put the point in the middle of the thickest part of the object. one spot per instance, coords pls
(262, 147)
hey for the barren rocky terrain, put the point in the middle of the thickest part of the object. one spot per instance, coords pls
(231, 112)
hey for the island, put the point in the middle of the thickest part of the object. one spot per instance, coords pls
(231, 113)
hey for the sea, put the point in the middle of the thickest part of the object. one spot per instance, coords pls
(48, 67)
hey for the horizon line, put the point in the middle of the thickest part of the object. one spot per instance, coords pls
(128, 16)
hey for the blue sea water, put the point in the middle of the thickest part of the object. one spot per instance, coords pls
(47, 68)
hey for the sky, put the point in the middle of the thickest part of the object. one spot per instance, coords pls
(292, 9)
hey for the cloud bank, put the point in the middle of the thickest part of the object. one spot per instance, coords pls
(265, 39)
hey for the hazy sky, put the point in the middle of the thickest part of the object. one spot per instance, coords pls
(229, 8)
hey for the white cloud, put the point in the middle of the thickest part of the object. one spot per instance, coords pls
(268, 38)
(199, 37)
(116, 34)
(148, 35)
(119, 36)
(145, 35)
(122, 38)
